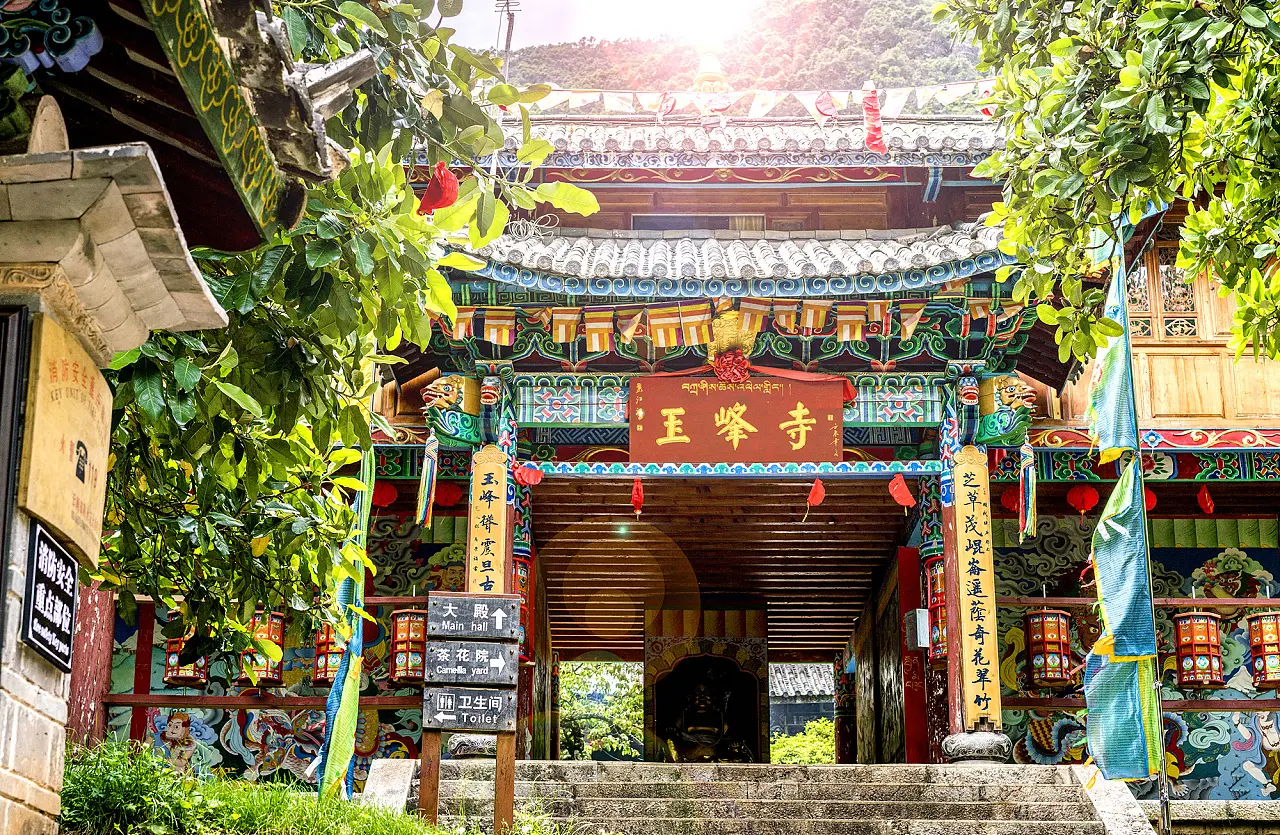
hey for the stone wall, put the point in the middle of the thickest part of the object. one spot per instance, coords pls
(33, 713)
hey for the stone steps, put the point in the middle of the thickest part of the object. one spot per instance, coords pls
(660, 799)
(685, 826)
(779, 809)
(869, 792)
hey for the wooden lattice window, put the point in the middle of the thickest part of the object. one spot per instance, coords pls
(1163, 307)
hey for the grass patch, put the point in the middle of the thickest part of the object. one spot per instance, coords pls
(119, 788)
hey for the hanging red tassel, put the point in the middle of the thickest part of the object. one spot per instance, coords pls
(816, 494)
(442, 191)
(1205, 500)
(528, 476)
(637, 496)
(901, 493)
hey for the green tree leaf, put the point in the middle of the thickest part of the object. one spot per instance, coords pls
(568, 197)
(186, 372)
(362, 14)
(240, 396)
(148, 390)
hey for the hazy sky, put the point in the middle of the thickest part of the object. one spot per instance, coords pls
(557, 21)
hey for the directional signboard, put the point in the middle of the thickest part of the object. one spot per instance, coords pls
(464, 616)
(472, 662)
(462, 709)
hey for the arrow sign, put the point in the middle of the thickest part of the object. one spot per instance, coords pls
(480, 663)
(474, 616)
(469, 709)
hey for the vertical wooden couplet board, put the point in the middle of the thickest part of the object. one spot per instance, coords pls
(471, 675)
(489, 534)
(976, 580)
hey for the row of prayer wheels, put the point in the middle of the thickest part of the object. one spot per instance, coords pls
(408, 653)
(1051, 663)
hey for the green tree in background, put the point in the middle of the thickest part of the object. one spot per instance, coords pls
(799, 45)
(225, 490)
(601, 709)
(815, 745)
(1111, 107)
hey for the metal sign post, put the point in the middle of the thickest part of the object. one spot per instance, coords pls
(472, 669)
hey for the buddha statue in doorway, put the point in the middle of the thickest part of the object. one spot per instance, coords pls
(701, 731)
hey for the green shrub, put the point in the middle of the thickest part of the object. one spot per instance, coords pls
(815, 745)
(119, 788)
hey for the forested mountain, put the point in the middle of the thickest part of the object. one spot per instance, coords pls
(792, 45)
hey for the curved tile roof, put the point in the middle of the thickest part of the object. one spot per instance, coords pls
(705, 263)
(640, 141)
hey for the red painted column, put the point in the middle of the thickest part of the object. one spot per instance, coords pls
(91, 665)
(914, 704)
(955, 674)
(142, 668)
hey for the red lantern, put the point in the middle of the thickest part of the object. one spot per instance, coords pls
(448, 493)
(1049, 656)
(637, 496)
(1083, 498)
(265, 626)
(195, 674)
(1149, 498)
(1199, 651)
(1264, 649)
(1011, 499)
(384, 493)
(440, 192)
(936, 577)
(409, 646)
(328, 656)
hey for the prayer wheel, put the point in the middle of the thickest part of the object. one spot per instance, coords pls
(409, 646)
(1199, 640)
(195, 674)
(935, 576)
(328, 655)
(1264, 649)
(1049, 657)
(265, 626)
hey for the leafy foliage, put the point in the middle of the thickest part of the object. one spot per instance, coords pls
(800, 45)
(815, 745)
(119, 788)
(601, 709)
(226, 487)
(1111, 107)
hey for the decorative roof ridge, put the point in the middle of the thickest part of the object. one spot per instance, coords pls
(910, 235)
(694, 120)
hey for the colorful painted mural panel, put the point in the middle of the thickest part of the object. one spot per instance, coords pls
(1212, 755)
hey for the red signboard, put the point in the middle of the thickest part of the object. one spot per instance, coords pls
(765, 419)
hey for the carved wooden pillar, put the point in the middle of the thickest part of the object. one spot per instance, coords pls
(973, 663)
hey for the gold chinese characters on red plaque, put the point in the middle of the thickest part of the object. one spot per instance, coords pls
(698, 421)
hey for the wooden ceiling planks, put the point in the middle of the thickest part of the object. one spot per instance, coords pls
(713, 543)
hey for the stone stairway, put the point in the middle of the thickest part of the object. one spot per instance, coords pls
(656, 799)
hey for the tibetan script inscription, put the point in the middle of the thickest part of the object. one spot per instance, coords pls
(761, 420)
(489, 538)
(980, 662)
